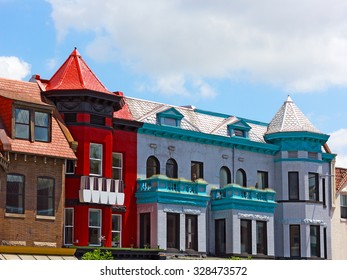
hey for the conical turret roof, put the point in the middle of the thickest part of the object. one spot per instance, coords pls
(289, 118)
(75, 74)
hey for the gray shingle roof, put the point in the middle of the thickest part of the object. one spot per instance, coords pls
(289, 118)
(193, 120)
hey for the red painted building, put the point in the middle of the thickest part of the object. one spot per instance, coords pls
(100, 206)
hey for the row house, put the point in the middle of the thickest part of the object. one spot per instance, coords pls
(226, 185)
(150, 175)
(34, 148)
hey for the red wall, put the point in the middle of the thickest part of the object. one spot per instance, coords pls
(113, 141)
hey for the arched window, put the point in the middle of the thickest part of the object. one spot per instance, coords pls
(171, 168)
(224, 176)
(152, 166)
(241, 178)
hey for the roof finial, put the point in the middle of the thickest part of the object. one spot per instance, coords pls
(289, 99)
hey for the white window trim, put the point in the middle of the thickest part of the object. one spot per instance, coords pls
(96, 159)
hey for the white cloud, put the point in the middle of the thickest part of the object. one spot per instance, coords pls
(297, 45)
(13, 68)
(338, 145)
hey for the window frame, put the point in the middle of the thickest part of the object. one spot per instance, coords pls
(263, 177)
(68, 227)
(171, 166)
(97, 160)
(261, 237)
(295, 239)
(227, 175)
(197, 169)
(313, 196)
(98, 228)
(315, 233)
(32, 125)
(152, 169)
(293, 186)
(117, 232)
(20, 196)
(118, 168)
(242, 173)
(45, 199)
(246, 236)
(343, 206)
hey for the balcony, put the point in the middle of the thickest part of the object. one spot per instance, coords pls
(160, 188)
(101, 191)
(234, 196)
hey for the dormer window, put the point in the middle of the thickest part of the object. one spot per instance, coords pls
(32, 125)
(170, 117)
(239, 129)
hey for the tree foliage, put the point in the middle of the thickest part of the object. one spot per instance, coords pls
(97, 254)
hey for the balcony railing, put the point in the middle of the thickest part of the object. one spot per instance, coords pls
(163, 183)
(233, 191)
(101, 190)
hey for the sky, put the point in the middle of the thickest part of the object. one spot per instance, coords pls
(237, 57)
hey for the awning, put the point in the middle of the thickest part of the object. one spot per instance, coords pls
(36, 253)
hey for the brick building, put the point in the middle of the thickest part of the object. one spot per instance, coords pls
(34, 146)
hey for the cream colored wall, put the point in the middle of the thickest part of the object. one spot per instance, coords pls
(339, 230)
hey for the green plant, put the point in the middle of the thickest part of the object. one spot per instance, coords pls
(97, 254)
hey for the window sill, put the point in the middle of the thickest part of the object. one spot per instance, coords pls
(42, 217)
(14, 215)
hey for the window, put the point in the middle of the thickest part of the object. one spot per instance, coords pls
(145, 230)
(169, 121)
(98, 120)
(294, 232)
(70, 118)
(68, 226)
(313, 186)
(70, 167)
(117, 166)
(26, 120)
(171, 168)
(246, 237)
(224, 176)
(116, 230)
(41, 127)
(95, 159)
(94, 227)
(152, 166)
(15, 194)
(192, 232)
(22, 124)
(220, 237)
(173, 230)
(312, 155)
(292, 154)
(241, 178)
(261, 231)
(263, 179)
(315, 241)
(343, 204)
(197, 170)
(239, 133)
(45, 196)
(293, 185)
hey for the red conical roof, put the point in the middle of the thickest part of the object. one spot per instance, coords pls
(75, 74)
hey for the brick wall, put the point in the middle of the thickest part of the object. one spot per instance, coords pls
(28, 228)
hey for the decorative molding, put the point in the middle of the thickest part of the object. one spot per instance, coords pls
(45, 244)
(315, 222)
(256, 217)
(13, 243)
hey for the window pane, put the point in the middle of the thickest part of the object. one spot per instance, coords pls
(94, 218)
(41, 134)
(315, 241)
(171, 168)
(15, 194)
(224, 177)
(41, 119)
(313, 186)
(241, 178)
(169, 121)
(262, 180)
(197, 170)
(45, 196)
(95, 151)
(22, 123)
(96, 159)
(293, 185)
(261, 237)
(246, 236)
(295, 240)
(152, 166)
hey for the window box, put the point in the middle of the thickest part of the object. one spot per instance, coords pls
(85, 195)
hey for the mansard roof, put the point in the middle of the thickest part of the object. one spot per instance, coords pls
(193, 119)
(290, 118)
(75, 74)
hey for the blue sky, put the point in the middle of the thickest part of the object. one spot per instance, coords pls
(237, 57)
